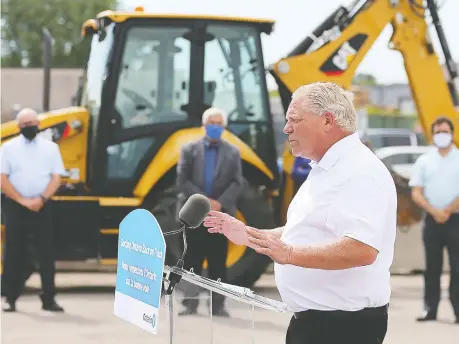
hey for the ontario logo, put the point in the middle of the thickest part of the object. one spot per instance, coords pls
(150, 319)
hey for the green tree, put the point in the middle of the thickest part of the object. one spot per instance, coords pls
(23, 21)
(365, 80)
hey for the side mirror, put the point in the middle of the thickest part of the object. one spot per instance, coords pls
(89, 27)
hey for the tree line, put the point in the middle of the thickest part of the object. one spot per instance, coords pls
(23, 22)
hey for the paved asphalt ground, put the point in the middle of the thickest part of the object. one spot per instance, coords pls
(88, 300)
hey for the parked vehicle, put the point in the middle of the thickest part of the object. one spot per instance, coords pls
(409, 250)
(388, 137)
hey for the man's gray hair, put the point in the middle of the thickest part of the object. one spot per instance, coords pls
(26, 111)
(213, 112)
(322, 97)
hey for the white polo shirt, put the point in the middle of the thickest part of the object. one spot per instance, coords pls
(31, 164)
(348, 193)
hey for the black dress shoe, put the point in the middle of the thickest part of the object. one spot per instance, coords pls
(221, 313)
(426, 316)
(52, 307)
(11, 307)
(188, 311)
(457, 320)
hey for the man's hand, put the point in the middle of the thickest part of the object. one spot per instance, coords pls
(271, 246)
(215, 205)
(33, 204)
(441, 215)
(37, 204)
(453, 206)
(227, 225)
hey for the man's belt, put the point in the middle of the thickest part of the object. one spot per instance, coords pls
(373, 311)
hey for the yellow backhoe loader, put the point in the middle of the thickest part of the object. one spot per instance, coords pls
(147, 81)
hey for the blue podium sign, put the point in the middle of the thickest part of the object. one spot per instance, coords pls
(141, 254)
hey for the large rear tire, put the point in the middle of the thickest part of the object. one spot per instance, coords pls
(165, 213)
(248, 266)
(259, 214)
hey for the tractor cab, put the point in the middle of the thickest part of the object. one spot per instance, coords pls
(148, 79)
(150, 75)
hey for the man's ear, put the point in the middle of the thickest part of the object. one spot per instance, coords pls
(329, 120)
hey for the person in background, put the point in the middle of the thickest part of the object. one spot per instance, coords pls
(300, 171)
(30, 175)
(435, 188)
(211, 167)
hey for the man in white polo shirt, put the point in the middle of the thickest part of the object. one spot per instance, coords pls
(435, 183)
(30, 175)
(332, 257)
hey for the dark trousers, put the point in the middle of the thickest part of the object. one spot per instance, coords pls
(436, 237)
(333, 327)
(202, 244)
(21, 225)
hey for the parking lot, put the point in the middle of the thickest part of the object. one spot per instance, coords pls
(88, 301)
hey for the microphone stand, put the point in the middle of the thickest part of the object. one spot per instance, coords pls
(173, 277)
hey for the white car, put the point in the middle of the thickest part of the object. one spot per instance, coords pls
(401, 159)
(390, 137)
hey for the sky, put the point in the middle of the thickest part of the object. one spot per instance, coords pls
(295, 19)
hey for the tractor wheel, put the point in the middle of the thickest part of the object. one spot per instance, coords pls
(165, 214)
(244, 265)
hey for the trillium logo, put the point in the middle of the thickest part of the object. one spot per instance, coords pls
(150, 319)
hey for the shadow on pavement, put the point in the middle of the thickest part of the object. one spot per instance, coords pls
(246, 324)
(61, 318)
(75, 290)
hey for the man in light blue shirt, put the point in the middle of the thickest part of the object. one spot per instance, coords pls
(435, 188)
(30, 176)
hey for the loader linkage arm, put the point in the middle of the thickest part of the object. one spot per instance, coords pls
(336, 48)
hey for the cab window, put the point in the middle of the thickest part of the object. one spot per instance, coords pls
(154, 76)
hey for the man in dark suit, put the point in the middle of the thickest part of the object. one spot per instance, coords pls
(211, 167)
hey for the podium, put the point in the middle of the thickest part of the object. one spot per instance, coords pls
(244, 296)
(143, 280)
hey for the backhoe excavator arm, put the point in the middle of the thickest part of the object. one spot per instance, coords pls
(336, 48)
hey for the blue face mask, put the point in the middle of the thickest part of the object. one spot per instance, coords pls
(214, 131)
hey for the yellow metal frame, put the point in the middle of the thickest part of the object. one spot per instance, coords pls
(120, 17)
(410, 38)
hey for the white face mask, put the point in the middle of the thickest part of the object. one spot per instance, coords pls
(442, 140)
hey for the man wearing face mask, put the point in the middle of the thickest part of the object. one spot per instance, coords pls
(30, 175)
(211, 167)
(435, 188)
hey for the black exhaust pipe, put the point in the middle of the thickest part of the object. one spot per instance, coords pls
(47, 59)
(450, 65)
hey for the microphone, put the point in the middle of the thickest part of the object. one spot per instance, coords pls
(191, 215)
(194, 211)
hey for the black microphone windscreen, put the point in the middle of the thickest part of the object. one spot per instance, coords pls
(194, 210)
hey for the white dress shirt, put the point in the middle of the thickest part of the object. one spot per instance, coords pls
(30, 164)
(348, 193)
